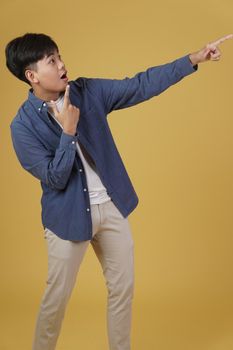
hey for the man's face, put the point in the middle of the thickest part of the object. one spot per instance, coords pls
(51, 74)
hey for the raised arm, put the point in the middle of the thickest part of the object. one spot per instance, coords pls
(52, 169)
(122, 93)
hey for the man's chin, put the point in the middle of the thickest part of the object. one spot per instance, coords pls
(65, 85)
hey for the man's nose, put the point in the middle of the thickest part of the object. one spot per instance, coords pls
(61, 64)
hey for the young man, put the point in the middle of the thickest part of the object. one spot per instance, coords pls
(61, 136)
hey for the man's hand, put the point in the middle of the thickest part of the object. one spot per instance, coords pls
(210, 52)
(69, 115)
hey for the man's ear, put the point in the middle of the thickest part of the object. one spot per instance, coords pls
(31, 76)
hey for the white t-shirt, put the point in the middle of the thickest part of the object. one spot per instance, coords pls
(97, 191)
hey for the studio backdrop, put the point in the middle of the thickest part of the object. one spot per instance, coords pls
(178, 151)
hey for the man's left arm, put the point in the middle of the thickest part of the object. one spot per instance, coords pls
(122, 93)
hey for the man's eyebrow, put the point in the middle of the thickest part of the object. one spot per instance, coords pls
(51, 53)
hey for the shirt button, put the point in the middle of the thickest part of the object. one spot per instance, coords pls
(84, 189)
(44, 104)
(73, 142)
(39, 109)
(88, 209)
(80, 170)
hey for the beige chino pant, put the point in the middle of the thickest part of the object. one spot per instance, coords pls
(113, 246)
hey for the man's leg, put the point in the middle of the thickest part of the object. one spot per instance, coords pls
(64, 259)
(113, 245)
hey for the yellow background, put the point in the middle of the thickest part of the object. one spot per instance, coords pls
(178, 150)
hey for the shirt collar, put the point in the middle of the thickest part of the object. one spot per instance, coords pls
(37, 102)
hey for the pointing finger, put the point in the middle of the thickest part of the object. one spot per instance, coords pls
(221, 40)
(66, 96)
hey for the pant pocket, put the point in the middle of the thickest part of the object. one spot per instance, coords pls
(116, 210)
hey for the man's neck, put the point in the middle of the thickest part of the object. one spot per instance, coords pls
(46, 95)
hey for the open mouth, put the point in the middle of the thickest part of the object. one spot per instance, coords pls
(64, 76)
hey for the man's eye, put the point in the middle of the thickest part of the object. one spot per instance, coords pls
(52, 60)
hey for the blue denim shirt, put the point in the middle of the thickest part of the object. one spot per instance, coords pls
(49, 154)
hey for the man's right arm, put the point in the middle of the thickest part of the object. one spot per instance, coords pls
(51, 168)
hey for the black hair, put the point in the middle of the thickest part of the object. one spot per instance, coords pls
(23, 52)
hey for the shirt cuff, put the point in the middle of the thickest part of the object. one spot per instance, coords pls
(68, 140)
(186, 66)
